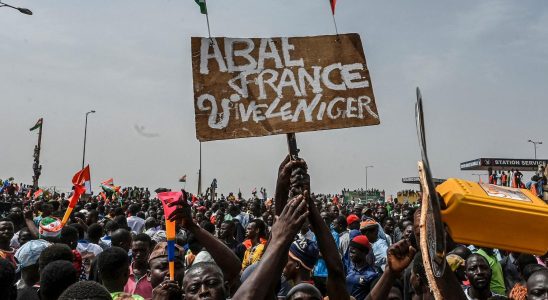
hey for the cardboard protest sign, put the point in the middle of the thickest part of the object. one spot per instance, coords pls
(246, 87)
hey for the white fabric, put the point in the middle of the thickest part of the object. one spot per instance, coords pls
(84, 247)
(136, 224)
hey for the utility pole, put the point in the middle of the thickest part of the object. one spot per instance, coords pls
(200, 172)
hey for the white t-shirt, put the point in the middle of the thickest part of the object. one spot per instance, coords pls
(85, 246)
(136, 224)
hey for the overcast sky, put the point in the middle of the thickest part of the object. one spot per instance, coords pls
(482, 67)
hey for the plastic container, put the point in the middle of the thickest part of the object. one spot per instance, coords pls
(492, 216)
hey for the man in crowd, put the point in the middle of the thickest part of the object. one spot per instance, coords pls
(497, 278)
(138, 283)
(370, 229)
(537, 285)
(340, 226)
(135, 223)
(479, 274)
(6, 234)
(226, 234)
(255, 242)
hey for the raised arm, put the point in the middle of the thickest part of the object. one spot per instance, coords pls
(262, 282)
(30, 223)
(223, 256)
(283, 182)
(336, 283)
(399, 256)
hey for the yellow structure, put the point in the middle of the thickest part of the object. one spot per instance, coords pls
(410, 197)
(496, 217)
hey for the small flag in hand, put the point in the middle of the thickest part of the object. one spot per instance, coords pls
(182, 179)
(38, 124)
(203, 6)
(333, 3)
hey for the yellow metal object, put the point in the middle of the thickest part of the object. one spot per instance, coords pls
(495, 217)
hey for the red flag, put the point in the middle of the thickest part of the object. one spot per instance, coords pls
(333, 3)
(81, 177)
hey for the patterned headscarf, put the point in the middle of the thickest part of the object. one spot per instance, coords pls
(50, 227)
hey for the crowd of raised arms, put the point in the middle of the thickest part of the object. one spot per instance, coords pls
(307, 246)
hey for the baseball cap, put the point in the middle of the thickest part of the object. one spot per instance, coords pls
(352, 218)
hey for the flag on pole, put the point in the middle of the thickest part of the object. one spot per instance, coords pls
(109, 187)
(333, 3)
(81, 177)
(203, 6)
(78, 189)
(182, 179)
(38, 124)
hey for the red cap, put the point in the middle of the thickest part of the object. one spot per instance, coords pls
(351, 219)
(361, 240)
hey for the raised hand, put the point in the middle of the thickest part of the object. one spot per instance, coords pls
(400, 255)
(183, 213)
(167, 290)
(283, 182)
(291, 219)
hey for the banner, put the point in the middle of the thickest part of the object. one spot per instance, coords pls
(246, 87)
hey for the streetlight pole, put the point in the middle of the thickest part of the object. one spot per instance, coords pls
(535, 143)
(366, 187)
(25, 11)
(85, 136)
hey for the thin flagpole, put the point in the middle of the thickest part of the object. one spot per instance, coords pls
(335, 23)
(207, 20)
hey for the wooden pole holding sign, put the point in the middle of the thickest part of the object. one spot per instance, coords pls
(293, 155)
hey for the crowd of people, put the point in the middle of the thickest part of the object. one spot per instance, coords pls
(514, 178)
(299, 245)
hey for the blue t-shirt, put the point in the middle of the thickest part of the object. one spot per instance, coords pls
(320, 270)
(359, 281)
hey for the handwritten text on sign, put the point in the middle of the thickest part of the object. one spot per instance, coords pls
(247, 87)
